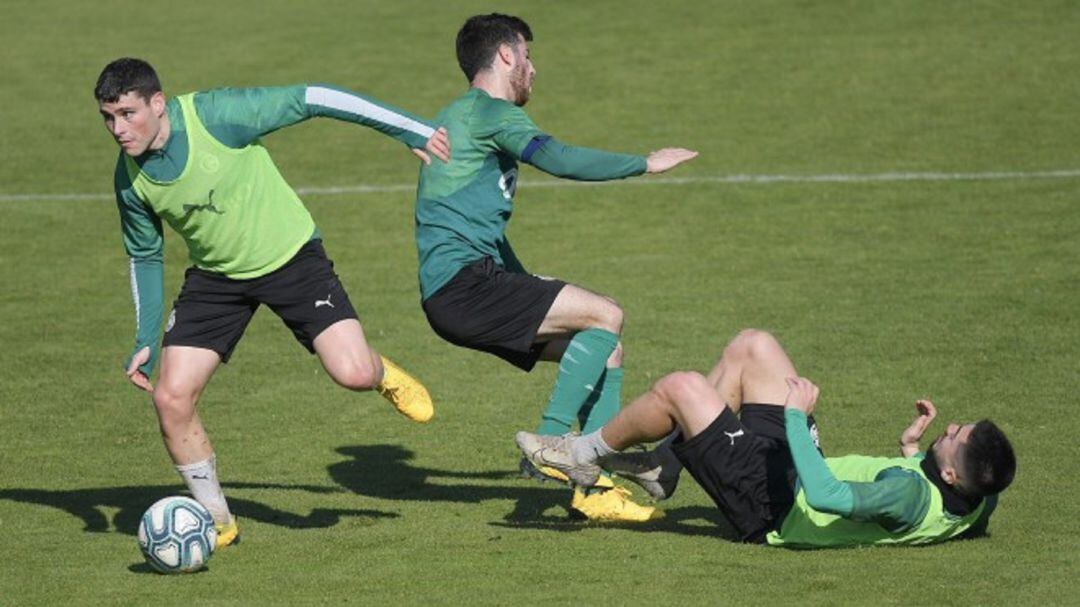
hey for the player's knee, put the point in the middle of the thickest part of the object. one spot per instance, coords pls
(359, 375)
(750, 343)
(174, 406)
(609, 316)
(682, 387)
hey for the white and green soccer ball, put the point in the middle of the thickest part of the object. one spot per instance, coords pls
(177, 535)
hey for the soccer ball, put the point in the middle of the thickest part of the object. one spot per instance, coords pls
(177, 535)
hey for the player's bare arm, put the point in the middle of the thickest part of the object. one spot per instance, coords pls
(667, 159)
(910, 437)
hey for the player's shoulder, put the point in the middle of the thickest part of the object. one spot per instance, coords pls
(212, 97)
(482, 111)
(501, 110)
(900, 475)
(902, 481)
(224, 96)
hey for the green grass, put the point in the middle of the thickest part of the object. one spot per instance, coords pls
(963, 291)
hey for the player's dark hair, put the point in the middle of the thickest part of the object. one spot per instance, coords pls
(479, 39)
(988, 462)
(124, 76)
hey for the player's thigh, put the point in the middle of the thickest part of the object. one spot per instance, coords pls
(576, 309)
(211, 312)
(308, 296)
(185, 371)
(728, 462)
(345, 354)
(553, 350)
(689, 399)
(753, 369)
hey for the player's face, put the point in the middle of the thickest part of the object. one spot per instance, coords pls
(948, 446)
(134, 122)
(521, 78)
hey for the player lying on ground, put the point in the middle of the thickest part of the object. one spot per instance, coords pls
(475, 292)
(196, 162)
(759, 461)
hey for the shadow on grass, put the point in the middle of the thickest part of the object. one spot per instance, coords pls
(131, 502)
(704, 521)
(384, 472)
(144, 568)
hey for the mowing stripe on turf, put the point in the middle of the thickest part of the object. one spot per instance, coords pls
(699, 179)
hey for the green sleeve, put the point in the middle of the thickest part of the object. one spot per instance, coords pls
(584, 164)
(239, 116)
(898, 499)
(144, 244)
(824, 492)
(147, 287)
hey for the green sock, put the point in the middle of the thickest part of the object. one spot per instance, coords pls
(580, 370)
(606, 405)
(603, 404)
(586, 409)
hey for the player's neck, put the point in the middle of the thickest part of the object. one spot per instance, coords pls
(495, 86)
(163, 133)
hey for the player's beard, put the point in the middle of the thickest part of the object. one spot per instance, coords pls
(520, 85)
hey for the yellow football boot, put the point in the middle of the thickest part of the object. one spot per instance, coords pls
(531, 471)
(611, 505)
(405, 392)
(228, 534)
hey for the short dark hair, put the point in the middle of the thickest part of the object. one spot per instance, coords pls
(988, 462)
(124, 76)
(480, 37)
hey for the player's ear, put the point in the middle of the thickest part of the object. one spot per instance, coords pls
(505, 54)
(157, 103)
(948, 474)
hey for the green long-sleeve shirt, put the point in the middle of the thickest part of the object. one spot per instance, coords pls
(464, 206)
(854, 499)
(236, 118)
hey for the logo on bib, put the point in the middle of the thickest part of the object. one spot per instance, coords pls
(172, 321)
(209, 163)
(209, 206)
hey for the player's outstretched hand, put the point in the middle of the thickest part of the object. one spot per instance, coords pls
(136, 376)
(802, 394)
(666, 159)
(439, 145)
(909, 439)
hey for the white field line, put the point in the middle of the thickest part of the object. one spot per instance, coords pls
(701, 179)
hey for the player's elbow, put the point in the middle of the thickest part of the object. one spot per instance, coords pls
(830, 499)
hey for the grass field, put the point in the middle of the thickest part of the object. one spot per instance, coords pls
(964, 288)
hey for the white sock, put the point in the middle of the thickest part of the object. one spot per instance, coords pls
(590, 447)
(201, 479)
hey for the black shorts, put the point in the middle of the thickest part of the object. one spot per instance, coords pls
(745, 467)
(487, 308)
(212, 310)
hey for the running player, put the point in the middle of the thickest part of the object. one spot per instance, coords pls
(475, 291)
(196, 162)
(759, 460)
